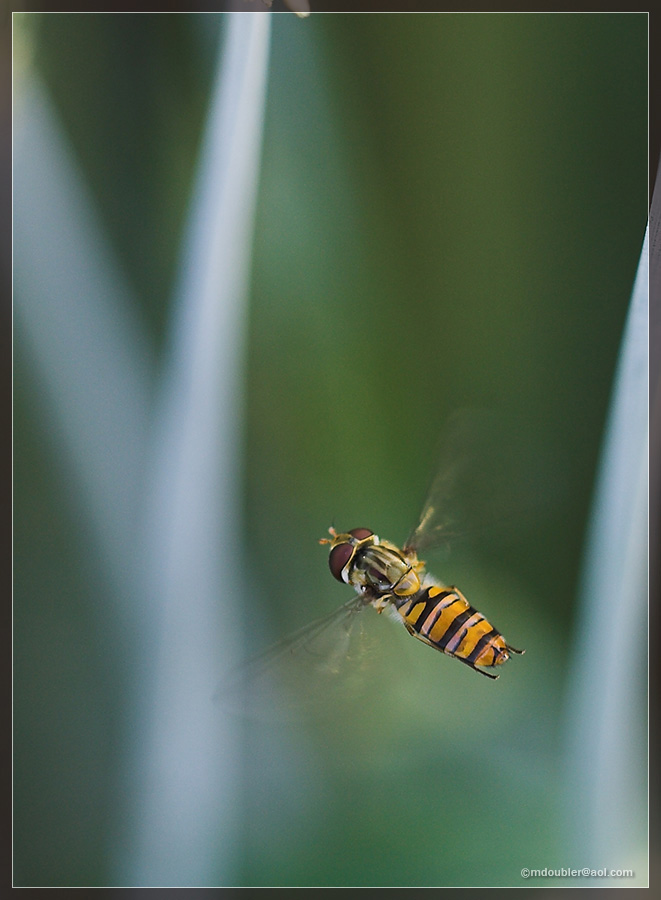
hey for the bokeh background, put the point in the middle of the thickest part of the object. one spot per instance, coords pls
(449, 216)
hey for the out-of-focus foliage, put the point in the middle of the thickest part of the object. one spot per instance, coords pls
(450, 215)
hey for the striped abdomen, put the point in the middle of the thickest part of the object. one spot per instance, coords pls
(443, 618)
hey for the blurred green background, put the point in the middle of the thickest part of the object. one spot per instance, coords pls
(450, 215)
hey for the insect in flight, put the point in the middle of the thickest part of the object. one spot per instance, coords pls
(386, 576)
(392, 579)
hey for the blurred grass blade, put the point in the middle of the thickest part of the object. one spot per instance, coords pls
(185, 767)
(76, 322)
(607, 690)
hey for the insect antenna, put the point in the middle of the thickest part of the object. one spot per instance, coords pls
(332, 533)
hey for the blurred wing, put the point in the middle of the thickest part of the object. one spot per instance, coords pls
(488, 480)
(444, 515)
(435, 525)
(318, 640)
(303, 670)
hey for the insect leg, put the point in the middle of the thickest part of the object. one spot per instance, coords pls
(381, 603)
(477, 668)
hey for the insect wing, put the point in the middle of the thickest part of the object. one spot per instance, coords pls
(439, 520)
(487, 480)
(301, 673)
(473, 449)
(435, 525)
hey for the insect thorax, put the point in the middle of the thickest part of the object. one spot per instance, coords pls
(383, 567)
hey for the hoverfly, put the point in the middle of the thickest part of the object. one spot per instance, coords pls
(391, 579)
(386, 577)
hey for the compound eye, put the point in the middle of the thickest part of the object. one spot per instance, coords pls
(339, 557)
(361, 533)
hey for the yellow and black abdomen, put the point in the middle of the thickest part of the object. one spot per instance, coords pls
(444, 619)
